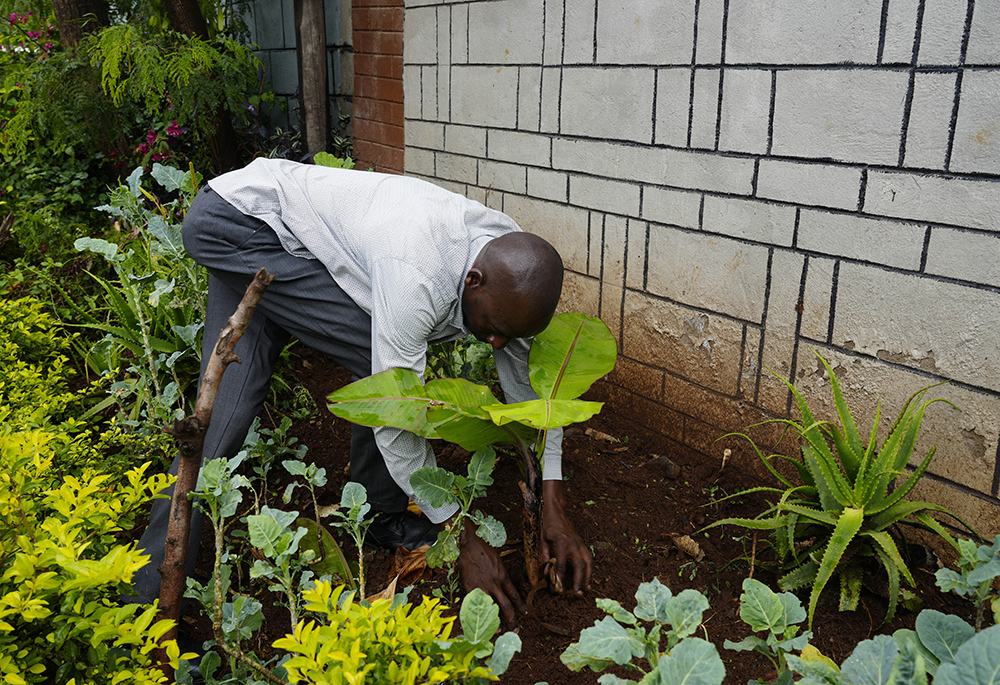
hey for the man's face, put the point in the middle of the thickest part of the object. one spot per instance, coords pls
(496, 319)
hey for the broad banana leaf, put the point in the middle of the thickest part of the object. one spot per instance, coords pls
(458, 411)
(570, 355)
(448, 408)
(565, 360)
(395, 397)
(544, 414)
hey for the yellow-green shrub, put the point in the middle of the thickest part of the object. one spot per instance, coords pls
(33, 369)
(62, 566)
(62, 570)
(395, 642)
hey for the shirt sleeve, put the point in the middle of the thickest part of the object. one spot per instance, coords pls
(404, 307)
(512, 369)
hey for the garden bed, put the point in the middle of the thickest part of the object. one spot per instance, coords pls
(629, 509)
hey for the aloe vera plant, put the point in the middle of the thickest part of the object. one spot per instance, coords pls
(569, 356)
(843, 515)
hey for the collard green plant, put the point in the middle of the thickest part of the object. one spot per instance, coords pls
(464, 358)
(844, 515)
(439, 486)
(978, 565)
(666, 653)
(390, 641)
(943, 649)
(777, 616)
(565, 360)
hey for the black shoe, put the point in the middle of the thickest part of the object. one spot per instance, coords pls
(401, 529)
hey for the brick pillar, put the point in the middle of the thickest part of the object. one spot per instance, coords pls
(378, 84)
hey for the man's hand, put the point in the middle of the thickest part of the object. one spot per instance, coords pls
(480, 566)
(560, 540)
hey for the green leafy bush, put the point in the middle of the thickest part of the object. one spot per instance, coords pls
(777, 616)
(845, 515)
(395, 642)
(621, 638)
(978, 565)
(63, 570)
(62, 567)
(153, 309)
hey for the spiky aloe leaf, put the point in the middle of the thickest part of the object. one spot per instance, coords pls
(898, 513)
(903, 490)
(892, 572)
(823, 517)
(850, 452)
(887, 544)
(850, 587)
(826, 475)
(834, 491)
(930, 523)
(766, 461)
(799, 577)
(846, 529)
(869, 456)
(753, 524)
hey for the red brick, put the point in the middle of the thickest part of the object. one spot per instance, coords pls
(378, 132)
(377, 18)
(378, 88)
(383, 66)
(378, 157)
(379, 110)
(377, 3)
(378, 42)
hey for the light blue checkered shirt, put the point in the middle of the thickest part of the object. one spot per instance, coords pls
(400, 248)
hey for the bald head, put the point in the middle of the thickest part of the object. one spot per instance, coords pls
(512, 288)
(526, 265)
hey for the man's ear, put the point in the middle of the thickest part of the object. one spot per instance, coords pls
(474, 278)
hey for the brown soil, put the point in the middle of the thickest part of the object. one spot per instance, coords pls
(628, 509)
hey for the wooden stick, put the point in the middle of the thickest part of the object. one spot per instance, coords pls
(190, 436)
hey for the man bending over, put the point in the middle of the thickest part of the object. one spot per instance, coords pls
(370, 269)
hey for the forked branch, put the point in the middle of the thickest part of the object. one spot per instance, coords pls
(190, 436)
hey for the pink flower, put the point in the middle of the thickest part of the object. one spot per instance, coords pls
(173, 130)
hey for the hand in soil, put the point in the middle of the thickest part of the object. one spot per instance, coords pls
(480, 566)
(561, 542)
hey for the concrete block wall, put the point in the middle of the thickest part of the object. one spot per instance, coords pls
(272, 31)
(733, 184)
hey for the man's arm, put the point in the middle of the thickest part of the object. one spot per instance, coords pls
(560, 540)
(400, 330)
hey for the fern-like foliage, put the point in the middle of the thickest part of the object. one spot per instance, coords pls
(156, 70)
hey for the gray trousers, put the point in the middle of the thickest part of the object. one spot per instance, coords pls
(303, 301)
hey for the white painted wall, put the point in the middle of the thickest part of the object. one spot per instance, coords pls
(734, 182)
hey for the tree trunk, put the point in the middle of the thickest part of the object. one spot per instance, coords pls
(77, 18)
(186, 17)
(310, 36)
